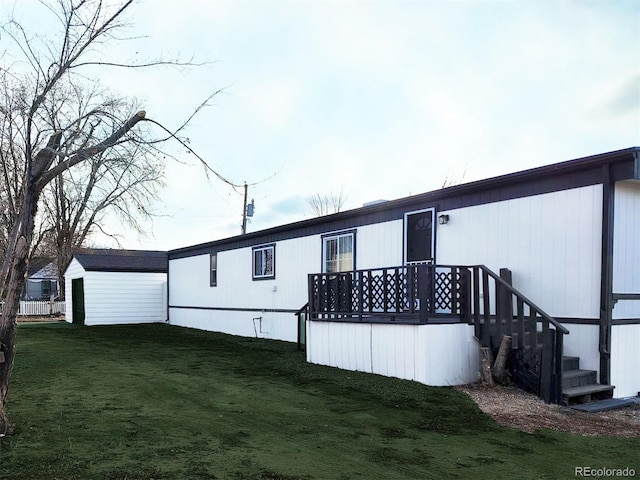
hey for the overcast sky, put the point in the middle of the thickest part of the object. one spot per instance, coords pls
(377, 99)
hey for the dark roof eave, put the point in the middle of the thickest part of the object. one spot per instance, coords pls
(560, 168)
(128, 270)
(113, 260)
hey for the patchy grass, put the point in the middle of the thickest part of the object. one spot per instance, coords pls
(159, 402)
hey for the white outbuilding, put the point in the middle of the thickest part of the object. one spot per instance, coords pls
(107, 287)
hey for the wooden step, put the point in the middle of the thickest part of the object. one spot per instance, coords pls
(604, 405)
(570, 363)
(578, 378)
(586, 393)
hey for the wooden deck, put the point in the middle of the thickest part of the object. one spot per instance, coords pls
(437, 294)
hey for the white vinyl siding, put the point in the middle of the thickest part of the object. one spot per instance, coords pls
(625, 358)
(124, 297)
(429, 354)
(233, 305)
(118, 297)
(237, 300)
(554, 255)
(551, 242)
(379, 244)
(626, 247)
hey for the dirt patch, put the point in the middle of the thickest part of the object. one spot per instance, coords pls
(515, 408)
(41, 318)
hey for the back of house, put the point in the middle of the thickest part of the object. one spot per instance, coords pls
(42, 279)
(565, 236)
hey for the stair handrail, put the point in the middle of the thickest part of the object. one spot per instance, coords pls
(548, 372)
(522, 297)
(305, 307)
(625, 296)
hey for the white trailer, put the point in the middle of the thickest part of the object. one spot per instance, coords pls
(565, 235)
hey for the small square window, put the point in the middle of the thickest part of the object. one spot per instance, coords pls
(264, 262)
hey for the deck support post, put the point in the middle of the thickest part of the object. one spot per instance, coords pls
(506, 303)
(547, 370)
(424, 291)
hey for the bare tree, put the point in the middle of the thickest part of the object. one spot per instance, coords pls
(75, 203)
(123, 180)
(325, 204)
(45, 144)
(451, 180)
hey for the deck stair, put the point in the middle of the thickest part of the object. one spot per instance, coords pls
(604, 405)
(581, 386)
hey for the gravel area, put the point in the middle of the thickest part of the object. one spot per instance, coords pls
(515, 408)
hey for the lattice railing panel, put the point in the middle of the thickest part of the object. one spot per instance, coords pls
(408, 290)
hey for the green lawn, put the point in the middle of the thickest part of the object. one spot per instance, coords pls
(161, 402)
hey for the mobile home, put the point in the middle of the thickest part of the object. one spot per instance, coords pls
(414, 287)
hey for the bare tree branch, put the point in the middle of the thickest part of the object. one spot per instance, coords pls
(89, 152)
(326, 204)
(206, 166)
(155, 63)
(56, 135)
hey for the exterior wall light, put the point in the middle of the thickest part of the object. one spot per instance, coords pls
(443, 219)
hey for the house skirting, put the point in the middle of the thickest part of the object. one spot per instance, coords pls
(625, 360)
(438, 355)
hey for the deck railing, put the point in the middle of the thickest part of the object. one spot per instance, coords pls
(413, 293)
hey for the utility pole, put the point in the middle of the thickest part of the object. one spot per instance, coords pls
(247, 210)
(244, 210)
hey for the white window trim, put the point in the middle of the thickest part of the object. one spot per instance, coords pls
(263, 248)
(337, 236)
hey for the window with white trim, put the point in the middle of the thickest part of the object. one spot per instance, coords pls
(338, 253)
(264, 262)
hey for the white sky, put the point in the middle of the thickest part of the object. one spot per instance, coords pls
(379, 99)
